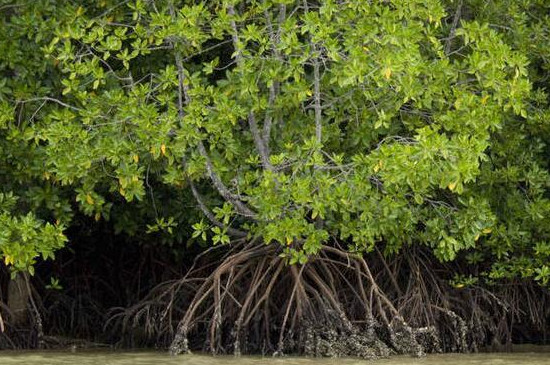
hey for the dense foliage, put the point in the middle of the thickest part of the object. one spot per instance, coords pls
(382, 123)
(301, 123)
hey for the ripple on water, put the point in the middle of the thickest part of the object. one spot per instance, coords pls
(160, 358)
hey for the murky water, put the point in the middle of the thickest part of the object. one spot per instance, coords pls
(159, 358)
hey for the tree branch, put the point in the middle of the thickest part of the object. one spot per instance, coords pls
(274, 88)
(211, 217)
(316, 89)
(453, 28)
(47, 98)
(317, 100)
(258, 140)
(184, 99)
(268, 121)
(220, 186)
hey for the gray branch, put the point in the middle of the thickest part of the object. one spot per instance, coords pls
(220, 186)
(317, 101)
(259, 142)
(274, 88)
(184, 98)
(53, 100)
(316, 89)
(456, 19)
(211, 217)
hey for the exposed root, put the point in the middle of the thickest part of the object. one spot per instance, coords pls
(251, 301)
(246, 299)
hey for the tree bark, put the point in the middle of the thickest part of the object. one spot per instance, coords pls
(18, 298)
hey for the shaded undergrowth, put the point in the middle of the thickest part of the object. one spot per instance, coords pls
(245, 299)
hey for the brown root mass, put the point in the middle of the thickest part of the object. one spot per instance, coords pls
(246, 299)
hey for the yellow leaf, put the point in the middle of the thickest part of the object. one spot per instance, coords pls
(97, 217)
(387, 72)
(288, 240)
(8, 260)
(163, 149)
(477, 237)
(135, 178)
(136, 158)
(378, 166)
(484, 99)
(314, 214)
(459, 285)
(452, 186)
(458, 104)
(89, 199)
(47, 175)
(309, 93)
(57, 222)
(487, 230)
(79, 11)
(122, 191)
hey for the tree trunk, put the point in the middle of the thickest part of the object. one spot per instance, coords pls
(18, 297)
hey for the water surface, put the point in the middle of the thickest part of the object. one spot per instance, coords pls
(160, 358)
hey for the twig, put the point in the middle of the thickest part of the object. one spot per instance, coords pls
(47, 98)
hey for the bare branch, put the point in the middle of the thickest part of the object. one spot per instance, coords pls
(316, 88)
(268, 121)
(220, 186)
(53, 100)
(317, 100)
(258, 140)
(453, 28)
(211, 217)
(274, 88)
(184, 99)
(183, 90)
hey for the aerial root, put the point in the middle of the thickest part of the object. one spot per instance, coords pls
(252, 301)
(247, 299)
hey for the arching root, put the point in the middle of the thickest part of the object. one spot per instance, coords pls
(246, 299)
(332, 306)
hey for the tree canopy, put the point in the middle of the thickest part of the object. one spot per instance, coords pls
(303, 123)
